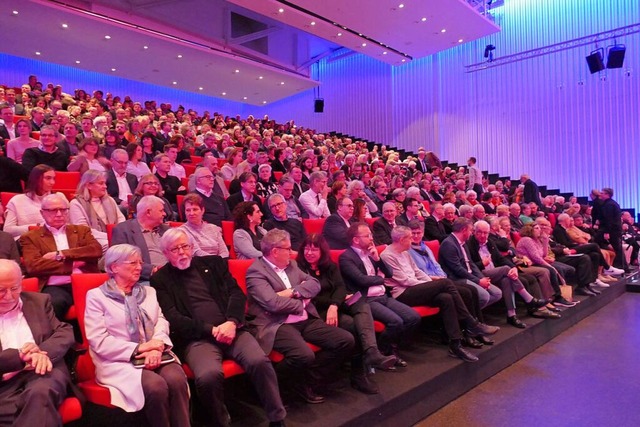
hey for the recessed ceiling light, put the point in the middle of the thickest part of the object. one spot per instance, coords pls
(244, 97)
(281, 10)
(113, 69)
(200, 88)
(237, 71)
(37, 53)
(260, 77)
(175, 83)
(423, 19)
(65, 26)
(385, 52)
(179, 56)
(224, 93)
(15, 12)
(360, 34)
(313, 22)
(264, 102)
(404, 60)
(364, 45)
(444, 30)
(281, 83)
(401, 5)
(107, 37)
(339, 34)
(460, 40)
(77, 62)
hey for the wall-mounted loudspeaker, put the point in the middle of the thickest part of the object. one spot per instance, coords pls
(595, 61)
(318, 106)
(615, 58)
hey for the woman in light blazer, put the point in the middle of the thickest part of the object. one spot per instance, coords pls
(124, 324)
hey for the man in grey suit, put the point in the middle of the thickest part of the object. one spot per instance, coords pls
(33, 342)
(283, 317)
(144, 232)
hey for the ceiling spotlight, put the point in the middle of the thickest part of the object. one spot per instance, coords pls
(37, 53)
(423, 19)
(313, 22)
(281, 83)
(113, 69)
(404, 60)
(264, 102)
(244, 97)
(65, 26)
(200, 88)
(237, 71)
(260, 77)
(384, 53)
(179, 56)
(460, 40)
(281, 10)
(364, 45)
(15, 12)
(175, 83)
(107, 37)
(77, 62)
(401, 5)
(444, 30)
(145, 47)
(224, 93)
(339, 34)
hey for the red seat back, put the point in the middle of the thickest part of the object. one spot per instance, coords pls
(313, 225)
(227, 235)
(434, 245)
(67, 181)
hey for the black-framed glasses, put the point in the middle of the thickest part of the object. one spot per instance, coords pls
(276, 205)
(56, 210)
(176, 250)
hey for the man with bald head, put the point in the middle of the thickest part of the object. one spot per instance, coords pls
(33, 344)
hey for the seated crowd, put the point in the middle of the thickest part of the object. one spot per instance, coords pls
(343, 241)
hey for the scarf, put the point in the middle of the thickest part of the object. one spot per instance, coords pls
(134, 314)
(93, 219)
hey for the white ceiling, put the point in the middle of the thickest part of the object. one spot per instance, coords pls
(271, 51)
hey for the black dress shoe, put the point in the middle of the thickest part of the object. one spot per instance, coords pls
(456, 350)
(374, 359)
(585, 291)
(363, 384)
(543, 313)
(481, 329)
(400, 363)
(514, 321)
(536, 303)
(484, 340)
(471, 342)
(308, 395)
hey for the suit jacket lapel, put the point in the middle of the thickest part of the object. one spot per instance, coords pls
(72, 237)
(273, 274)
(34, 325)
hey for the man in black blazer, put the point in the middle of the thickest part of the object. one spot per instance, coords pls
(145, 231)
(421, 163)
(299, 187)
(118, 172)
(34, 375)
(364, 272)
(278, 207)
(337, 224)
(434, 229)
(284, 318)
(216, 208)
(205, 309)
(382, 226)
(247, 192)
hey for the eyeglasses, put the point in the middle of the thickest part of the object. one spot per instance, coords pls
(178, 249)
(348, 206)
(140, 263)
(206, 177)
(286, 248)
(311, 249)
(58, 210)
(12, 289)
(365, 235)
(150, 183)
(276, 205)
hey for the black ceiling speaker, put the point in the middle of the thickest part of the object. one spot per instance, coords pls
(318, 106)
(595, 61)
(615, 58)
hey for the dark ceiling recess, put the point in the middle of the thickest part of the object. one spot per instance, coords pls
(242, 26)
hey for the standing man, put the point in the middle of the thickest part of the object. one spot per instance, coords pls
(611, 227)
(34, 342)
(284, 317)
(475, 176)
(205, 308)
(314, 200)
(531, 191)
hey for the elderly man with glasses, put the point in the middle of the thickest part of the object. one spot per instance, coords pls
(58, 249)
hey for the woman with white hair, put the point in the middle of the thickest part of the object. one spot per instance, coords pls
(93, 207)
(130, 346)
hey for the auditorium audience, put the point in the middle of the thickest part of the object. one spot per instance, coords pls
(207, 237)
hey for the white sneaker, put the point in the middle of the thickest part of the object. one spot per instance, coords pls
(613, 270)
(601, 283)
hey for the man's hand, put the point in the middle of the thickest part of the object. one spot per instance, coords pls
(38, 362)
(332, 315)
(79, 264)
(513, 273)
(225, 333)
(29, 348)
(287, 293)
(486, 260)
(51, 256)
(373, 253)
(485, 282)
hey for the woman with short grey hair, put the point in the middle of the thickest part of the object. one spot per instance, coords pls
(129, 344)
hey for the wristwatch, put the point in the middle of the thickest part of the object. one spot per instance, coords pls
(59, 256)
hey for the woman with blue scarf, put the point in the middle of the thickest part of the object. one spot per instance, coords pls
(125, 327)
